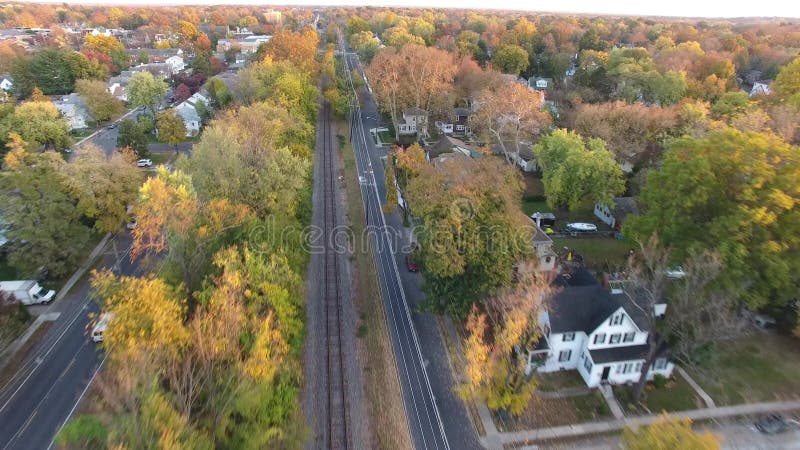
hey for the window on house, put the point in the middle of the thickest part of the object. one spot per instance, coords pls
(628, 367)
(614, 338)
(568, 337)
(565, 355)
(638, 367)
(628, 337)
(587, 365)
(618, 369)
(661, 364)
(600, 338)
(616, 320)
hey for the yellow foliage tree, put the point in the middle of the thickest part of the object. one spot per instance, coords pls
(669, 434)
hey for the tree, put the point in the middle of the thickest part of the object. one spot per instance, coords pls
(356, 24)
(218, 92)
(510, 113)
(182, 92)
(104, 187)
(495, 363)
(787, 83)
(171, 129)
(511, 59)
(399, 37)
(667, 434)
(365, 44)
(414, 76)
(47, 228)
(38, 123)
(733, 192)
(145, 90)
(110, 46)
(102, 105)
(281, 82)
(732, 104)
(298, 48)
(85, 431)
(575, 174)
(132, 135)
(472, 230)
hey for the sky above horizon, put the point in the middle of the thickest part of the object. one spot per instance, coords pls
(675, 8)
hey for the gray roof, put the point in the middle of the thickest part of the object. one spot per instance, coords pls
(449, 144)
(461, 112)
(540, 236)
(584, 304)
(624, 206)
(414, 112)
(614, 354)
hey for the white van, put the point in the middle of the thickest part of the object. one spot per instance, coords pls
(100, 327)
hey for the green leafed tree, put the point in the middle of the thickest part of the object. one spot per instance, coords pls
(578, 174)
(38, 123)
(787, 83)
(132, 135)
(145, 90)
(734, 192)
(102, 105)
(171, 128)
(510, 58)
(45, 229)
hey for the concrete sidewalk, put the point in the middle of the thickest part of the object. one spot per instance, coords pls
(524, 437)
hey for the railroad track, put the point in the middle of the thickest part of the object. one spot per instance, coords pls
(338, 418)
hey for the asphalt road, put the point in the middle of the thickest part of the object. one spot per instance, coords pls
(436, 416)
(41, 395)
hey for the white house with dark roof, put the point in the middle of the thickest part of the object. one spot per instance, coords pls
(415, 120)
(187, 110)
(74, 110)
(602, 335)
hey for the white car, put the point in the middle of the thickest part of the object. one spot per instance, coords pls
(144, 163)
(582, 227)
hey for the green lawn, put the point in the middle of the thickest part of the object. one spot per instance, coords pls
(597, 252)
(676, 395)
(759, 367)
(531, 205)
(591, 407)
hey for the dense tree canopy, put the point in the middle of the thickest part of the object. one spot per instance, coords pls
(734, 192)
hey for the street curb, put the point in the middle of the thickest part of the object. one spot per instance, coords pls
(20, 341)
(17, 343)
(82, 270)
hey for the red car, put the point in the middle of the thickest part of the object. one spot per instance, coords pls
(412, 266)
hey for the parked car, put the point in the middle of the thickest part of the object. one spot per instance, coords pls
(772, 424)
(112, 126)
(144, 162)
(764, 321)
(131, 225)
(411, 264)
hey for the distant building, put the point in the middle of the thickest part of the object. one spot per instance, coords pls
(621, 208)
(540, 83)
(415, 121)
(247, 44)
(6, 83)
(760, 88)
(188, 111)
(272, 17)
(74, 110)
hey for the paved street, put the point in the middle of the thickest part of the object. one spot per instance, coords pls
(437, 417)
(37, 400)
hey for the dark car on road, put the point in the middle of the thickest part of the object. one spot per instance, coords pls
(411, 264)
(772, 424)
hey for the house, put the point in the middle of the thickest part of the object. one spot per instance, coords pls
(614, 216)
(118, 86)
(188, 111)
(540, 83)
(159, 70)
(543, 245)
(415, 121)
(461, 119)
(247, 42)
(175, 63)
(272, 17)
(6, 83)
(524, 158)
(760, 88)
(74, 110)
(601, 334)
(449, 144)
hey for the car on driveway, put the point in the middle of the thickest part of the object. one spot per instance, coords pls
(144, 162)
(411, 264)
(772, 424)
